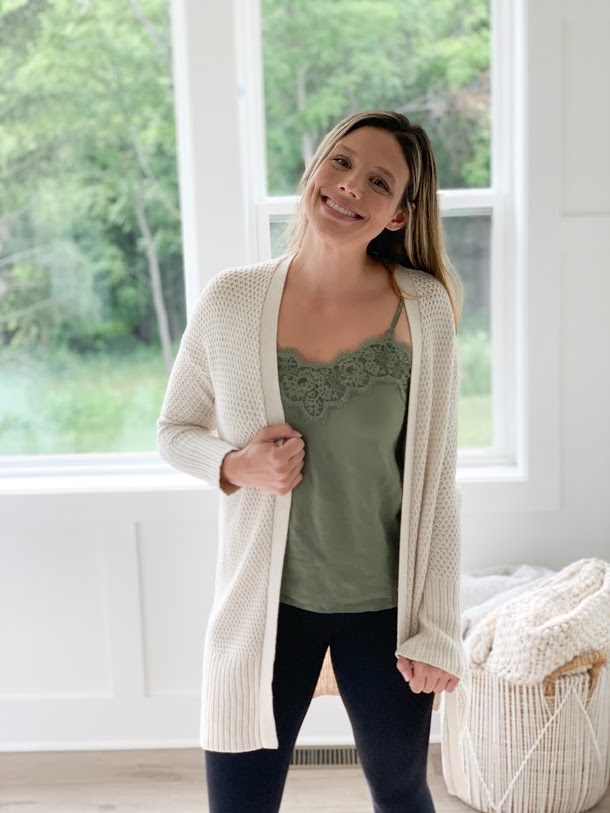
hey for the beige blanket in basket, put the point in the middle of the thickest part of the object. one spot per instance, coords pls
(560, 617)
(485, 588)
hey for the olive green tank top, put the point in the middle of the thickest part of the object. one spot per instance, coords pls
(343, 534)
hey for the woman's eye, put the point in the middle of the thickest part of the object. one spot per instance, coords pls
(383, 183)
(339, 159)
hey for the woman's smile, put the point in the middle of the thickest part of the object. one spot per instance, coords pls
(336, 210)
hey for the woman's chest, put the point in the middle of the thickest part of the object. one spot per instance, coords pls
(320, 332)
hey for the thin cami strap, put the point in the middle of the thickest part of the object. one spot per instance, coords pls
(395, 319)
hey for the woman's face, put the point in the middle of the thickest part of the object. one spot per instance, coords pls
(365, 173)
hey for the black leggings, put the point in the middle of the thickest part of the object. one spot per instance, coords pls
(391, 724)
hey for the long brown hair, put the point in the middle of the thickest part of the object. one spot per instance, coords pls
(420, 243)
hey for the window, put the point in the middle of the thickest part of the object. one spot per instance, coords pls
(431, 61)
(238, 162)
(92, 301)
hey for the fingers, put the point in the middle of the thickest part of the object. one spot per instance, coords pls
(296, 480)
(278, 432)
(423, 677)
(404, 666)
(292, 448)
(285, 464)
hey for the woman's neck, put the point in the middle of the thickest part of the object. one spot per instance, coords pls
(327, 272)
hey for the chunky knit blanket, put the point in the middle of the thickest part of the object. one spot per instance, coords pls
(484, 589)
(562, 616)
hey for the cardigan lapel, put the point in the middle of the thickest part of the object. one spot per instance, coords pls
(405, 610)
(281, 508)
(268, 342)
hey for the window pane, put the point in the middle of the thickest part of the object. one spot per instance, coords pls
(89, 226)
(468, 244)
(429, 60)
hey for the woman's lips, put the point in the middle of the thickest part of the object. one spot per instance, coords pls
(335, 213)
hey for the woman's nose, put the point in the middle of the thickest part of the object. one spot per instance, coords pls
(351, 185)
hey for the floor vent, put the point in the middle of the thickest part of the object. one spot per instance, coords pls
(312, 755)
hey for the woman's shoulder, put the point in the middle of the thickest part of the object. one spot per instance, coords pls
(231, 287)
(428, 288)
(242, 278)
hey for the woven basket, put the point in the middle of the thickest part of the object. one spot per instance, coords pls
(536, 749)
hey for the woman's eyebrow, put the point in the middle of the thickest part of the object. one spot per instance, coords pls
(353, 152)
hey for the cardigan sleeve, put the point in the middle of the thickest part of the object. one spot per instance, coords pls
(438, 640)
(187, 437)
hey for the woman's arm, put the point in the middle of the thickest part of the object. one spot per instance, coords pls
(186, 430)
(438, 640)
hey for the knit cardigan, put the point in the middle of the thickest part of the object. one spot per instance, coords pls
(223, 389)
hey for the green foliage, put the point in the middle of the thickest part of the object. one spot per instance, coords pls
(69, 403)
(326, 59)
(475, 425)
(110, 402)
(87, 131)
(87, 126)
(475, 364)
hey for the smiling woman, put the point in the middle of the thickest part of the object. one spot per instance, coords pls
(318, 391)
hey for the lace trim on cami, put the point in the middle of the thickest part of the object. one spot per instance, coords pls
(317, 386)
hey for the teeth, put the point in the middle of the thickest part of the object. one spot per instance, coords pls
(338, 208)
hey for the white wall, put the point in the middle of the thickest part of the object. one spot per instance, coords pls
(104, 594)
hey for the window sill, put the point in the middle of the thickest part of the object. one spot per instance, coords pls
(93, 474)
(487, 486)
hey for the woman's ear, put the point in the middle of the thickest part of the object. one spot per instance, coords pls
(398, 221)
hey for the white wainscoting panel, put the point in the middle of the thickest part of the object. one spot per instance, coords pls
(585, 119)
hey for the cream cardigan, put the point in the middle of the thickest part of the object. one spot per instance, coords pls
(223, 389)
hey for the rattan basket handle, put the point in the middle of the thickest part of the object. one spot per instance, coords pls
(594, 660)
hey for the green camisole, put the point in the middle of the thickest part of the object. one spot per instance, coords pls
(343, 535)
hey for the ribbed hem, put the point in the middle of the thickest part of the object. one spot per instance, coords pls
(438, 641)
(229, 703)
(194, 451)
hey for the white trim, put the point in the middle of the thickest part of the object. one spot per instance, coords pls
(20, 466)
(92, 474)
(252, 124)
(451, 202)
(211, 175)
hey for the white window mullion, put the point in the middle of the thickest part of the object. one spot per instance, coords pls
(451, 201)
(212, 178)
(466, 201)
(252, 123)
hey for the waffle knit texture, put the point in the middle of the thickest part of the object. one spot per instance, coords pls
(564, 615)
(223, 389)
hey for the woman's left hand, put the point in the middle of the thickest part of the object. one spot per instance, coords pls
(424, 677)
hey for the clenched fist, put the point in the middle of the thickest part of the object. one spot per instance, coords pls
(272, 461)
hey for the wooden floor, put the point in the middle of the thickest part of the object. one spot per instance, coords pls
(174, 781)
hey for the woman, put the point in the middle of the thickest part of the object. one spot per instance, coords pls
(318, 392)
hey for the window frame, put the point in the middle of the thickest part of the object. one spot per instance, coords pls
(501, 477)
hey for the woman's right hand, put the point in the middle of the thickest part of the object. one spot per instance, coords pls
(272, 461)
